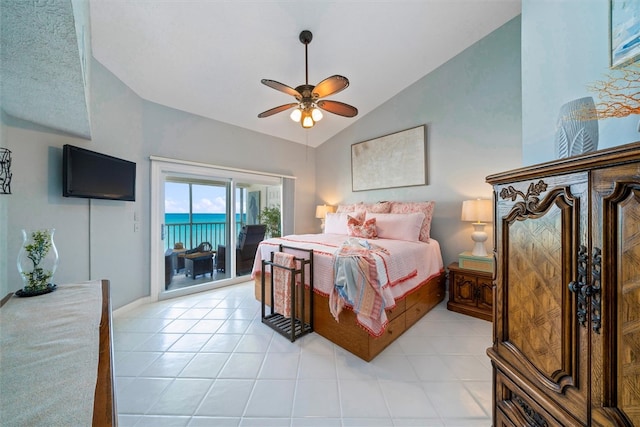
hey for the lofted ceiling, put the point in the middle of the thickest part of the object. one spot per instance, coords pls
(207, 57)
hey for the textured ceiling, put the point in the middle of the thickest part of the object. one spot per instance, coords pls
(42, 61)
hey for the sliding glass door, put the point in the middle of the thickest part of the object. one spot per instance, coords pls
(196, 220)
(210, 222)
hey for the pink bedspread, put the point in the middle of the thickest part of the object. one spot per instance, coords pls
(407, 265)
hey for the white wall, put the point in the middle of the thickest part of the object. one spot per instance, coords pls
(565, 49)
(471, 106)
(96, 239)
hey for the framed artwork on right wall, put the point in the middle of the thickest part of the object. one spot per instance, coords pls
(624, 32)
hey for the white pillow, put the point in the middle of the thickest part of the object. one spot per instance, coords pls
(398, 226)
(336, 223)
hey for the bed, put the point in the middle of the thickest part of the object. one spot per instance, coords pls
(408, 261)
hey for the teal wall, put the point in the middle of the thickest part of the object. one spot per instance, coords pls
(471, 107)
(565, 49)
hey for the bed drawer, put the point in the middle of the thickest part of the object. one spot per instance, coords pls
(397, 310)
(423, 300)
(394, 329)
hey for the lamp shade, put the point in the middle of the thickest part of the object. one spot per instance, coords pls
(478, 210)
(322, 210)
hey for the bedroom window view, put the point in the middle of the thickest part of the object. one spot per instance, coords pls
(198, 223)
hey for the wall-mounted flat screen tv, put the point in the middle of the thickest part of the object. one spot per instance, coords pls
(93, 175)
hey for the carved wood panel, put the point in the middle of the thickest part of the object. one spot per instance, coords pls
(535, 291)
(485, 293)
(541, 226)
(464, 291)
(629, 309)
(616, 385)
(542, 234)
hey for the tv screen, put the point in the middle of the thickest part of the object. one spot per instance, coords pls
(95, 175)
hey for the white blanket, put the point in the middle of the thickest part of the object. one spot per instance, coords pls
(409, 263)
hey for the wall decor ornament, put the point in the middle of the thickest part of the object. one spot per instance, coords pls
(395, 160)
(37, 262)
(577, 128)
(619, 92)
(5, 171)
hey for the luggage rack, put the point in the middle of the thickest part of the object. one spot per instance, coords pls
(295, 326)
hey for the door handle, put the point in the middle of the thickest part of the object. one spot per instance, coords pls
(580, 287)
(595, 290)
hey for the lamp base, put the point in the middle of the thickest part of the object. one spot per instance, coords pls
(479, 236)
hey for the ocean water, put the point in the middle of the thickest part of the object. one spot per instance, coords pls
(205, 227)
(183, 218)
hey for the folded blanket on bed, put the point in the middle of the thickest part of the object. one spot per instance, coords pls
(357, 283)
(282, 283)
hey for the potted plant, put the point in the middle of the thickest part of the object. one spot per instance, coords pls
(37, 261)
(270, 216)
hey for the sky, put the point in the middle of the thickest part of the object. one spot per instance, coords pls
(206, 198)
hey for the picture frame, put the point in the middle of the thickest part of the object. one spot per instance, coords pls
(395, 160)
(253, 207)
(624, 35)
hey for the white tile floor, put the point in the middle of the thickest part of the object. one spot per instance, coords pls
(207, 360)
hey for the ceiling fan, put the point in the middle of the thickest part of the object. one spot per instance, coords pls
(308, 96)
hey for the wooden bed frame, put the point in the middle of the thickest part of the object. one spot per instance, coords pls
(351, 336)
(104, 404)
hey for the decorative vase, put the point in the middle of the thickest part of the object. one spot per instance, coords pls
(577, 128)
(37, 261)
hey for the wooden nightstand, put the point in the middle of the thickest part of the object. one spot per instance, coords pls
(470, 292)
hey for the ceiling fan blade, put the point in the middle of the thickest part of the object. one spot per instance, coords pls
(277, 110)
(330, 85)
(339, 108)
(282, 88)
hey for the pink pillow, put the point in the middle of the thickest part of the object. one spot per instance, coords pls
(336, 223)
(398, 226)
(365, 229)
(425, 207)
(380, 207)
(345, 208)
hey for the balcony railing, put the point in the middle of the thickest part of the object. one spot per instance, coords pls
(194, 233)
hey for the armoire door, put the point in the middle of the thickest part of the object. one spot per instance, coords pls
(542, 233)
(614, 310)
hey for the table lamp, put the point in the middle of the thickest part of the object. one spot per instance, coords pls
(321, 213)
(480, 212)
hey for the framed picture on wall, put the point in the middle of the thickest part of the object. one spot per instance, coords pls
(396, 160)
(625, 32)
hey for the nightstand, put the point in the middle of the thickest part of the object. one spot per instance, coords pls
(470, 292)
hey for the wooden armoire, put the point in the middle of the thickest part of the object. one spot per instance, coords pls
(566, 341)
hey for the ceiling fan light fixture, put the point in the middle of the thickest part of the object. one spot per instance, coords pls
(296, 115)
(307, 121)
(316, 114)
